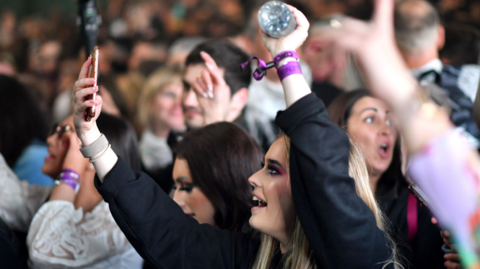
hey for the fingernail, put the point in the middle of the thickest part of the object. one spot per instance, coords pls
(204, 94)
(210, 94)
(210, 67)
(210, 88)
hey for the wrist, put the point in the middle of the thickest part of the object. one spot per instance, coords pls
(90, 136)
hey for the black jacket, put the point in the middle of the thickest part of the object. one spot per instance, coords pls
(340, 227)
(425, 251)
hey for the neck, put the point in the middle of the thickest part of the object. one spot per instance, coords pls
(283, 248)
(418, 59)
(160, 129)
(374, 179)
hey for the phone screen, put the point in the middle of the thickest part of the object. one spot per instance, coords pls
(92, 73)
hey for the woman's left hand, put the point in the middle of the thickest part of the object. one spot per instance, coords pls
(292, 41)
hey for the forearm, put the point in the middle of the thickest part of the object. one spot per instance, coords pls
(420, 119)
(105, 163)
(63, 192)
(295, 88)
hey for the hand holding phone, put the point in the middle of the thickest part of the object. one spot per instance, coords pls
(92, 73)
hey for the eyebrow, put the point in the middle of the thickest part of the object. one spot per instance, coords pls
(275, 162)
(369, 108)
(180, 179)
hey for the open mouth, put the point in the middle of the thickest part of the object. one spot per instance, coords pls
(191, 215)
(384, 149)
(258, 202)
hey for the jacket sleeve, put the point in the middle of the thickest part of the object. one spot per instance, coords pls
(340, 227)
(161, 232)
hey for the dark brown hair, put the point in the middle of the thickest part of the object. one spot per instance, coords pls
(227, 56)
(340, 111)
(221, 157)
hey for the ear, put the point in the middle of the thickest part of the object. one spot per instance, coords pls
(237, 103)
(441, 37)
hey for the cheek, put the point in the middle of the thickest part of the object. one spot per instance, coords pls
(201, 206)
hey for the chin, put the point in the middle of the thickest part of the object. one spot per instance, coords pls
(193, 123)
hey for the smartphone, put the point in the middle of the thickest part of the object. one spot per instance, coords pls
(420, 195)
(92, 73)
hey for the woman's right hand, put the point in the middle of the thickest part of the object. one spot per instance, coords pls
(87, 131)
(292, 41)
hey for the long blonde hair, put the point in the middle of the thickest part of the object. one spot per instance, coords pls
(299, 254)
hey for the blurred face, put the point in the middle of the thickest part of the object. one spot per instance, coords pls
(166, 107)
(189, 197)
(191, 108)
(193, 113)
(327, 64)
(57, 148)
(371, 128)
(275, 212)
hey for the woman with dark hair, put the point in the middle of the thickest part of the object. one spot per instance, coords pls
(218, 159)
(306, 204)
(23, 132)
(74, 228)
(368, 121)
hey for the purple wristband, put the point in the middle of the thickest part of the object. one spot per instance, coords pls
(284, 54)
(68, 182)
(69, 174)
(288, 69)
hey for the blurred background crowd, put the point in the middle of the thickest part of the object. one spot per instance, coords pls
(40, 42)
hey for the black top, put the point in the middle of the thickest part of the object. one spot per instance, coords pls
(425, 251)
(340, 227)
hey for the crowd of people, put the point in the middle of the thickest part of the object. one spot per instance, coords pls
(358, 149)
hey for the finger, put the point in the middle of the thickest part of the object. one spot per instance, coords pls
(85, 67)
(212, 68)
(199, 91)
(383, 14)
(202, 85)
(207, 80)
(453, 257)
(452, 265)
(83, 83)
(302, 21)
(82, 94)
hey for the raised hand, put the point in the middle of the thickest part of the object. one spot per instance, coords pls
(74, 158)
(291, 41)
(212, 92)
(373, 45)
(87, 131)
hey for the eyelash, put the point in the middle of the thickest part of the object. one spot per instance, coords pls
(187, 187)
(272, 170)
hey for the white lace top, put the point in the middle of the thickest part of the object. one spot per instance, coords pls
(61, 236)
(19, 201)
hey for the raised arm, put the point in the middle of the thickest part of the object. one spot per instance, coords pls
(340, 227)
(152, 222)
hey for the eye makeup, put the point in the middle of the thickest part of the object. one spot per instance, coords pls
(275, 168)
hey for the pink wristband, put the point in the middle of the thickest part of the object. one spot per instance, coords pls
(288, 69)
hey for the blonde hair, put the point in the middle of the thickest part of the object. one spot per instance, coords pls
(155, 84)
(299, 254)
